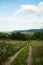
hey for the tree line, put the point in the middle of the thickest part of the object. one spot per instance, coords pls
(21, 36)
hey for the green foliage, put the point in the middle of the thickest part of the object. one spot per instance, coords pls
(37, 36)
(22, 36)
(4, 36)
(18, 36)
(37, 52)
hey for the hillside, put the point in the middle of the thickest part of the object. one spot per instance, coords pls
(30, 31)
(24, 31)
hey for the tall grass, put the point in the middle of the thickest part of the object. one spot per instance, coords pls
(9, 48)
(37, 48)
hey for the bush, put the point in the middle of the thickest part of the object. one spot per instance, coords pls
(18, 36)
(37, 36)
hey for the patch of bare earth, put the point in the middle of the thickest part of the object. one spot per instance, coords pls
(11, 59)
(30, 59)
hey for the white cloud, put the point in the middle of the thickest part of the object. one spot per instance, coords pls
(25, 8)
(31, 8)
(15, 23)
(40, 7)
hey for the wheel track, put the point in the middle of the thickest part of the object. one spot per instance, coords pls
(30, 59)
(11, 59)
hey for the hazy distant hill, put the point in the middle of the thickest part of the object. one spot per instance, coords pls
(25, 31)
(30, 31)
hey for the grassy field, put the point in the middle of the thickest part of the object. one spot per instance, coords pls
(9, 48)
(37, 49)
(22, 57)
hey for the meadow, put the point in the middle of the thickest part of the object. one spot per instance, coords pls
(9, 47)
(37, 52)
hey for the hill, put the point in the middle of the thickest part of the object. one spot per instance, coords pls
(30, 31)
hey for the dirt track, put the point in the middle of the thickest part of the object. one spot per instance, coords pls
(11, 59)
(30, 59)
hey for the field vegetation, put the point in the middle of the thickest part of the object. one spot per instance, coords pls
(22, 57)
(9, 48)
(11, 43)
(37, 49)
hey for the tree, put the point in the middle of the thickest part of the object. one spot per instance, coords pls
(19, 36)
(38, 36)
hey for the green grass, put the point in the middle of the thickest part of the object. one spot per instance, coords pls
(37, 49)
(22, 57)
(9, 48)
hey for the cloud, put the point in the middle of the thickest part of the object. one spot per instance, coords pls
(24, 8)
(31, 8)
(40, 7)
(15, 23)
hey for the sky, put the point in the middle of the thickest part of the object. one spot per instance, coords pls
(21, 14)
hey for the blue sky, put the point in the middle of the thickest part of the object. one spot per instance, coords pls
(21, 14)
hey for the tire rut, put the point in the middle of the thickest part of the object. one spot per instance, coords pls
(30, 59)
(11, 59)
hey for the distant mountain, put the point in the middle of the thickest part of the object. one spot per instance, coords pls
(30, 31)
(25, 31)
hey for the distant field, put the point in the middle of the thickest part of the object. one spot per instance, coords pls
(9, 47)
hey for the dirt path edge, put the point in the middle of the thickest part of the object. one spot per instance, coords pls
(11, 59)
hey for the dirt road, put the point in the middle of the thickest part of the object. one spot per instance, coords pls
(11, 59)
(30, 59)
